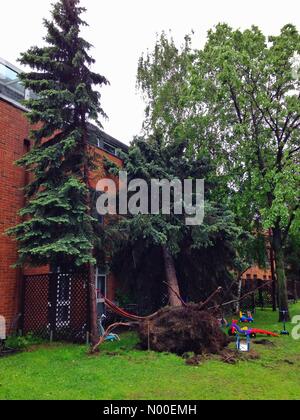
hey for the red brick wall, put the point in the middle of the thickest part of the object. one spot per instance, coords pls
(257, 273)
(100, 172)
(14, 130)
(96, 176)
(35, 271)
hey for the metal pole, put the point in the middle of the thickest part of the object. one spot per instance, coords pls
(272, 263)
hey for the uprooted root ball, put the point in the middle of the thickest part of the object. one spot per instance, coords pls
(183, 329)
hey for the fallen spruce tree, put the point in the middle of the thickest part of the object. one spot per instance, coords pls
(189, 328)
(180, 329)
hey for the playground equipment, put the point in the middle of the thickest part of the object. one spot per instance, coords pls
(246, 318)
(284, 331)
(243, 345)
(111, 337)
(252, 332)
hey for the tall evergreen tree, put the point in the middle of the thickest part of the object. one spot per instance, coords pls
(58, 226)
(149, 159)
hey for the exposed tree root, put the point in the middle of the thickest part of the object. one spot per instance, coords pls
(181, 330)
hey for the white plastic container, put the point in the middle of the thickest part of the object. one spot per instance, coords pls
(2, 328)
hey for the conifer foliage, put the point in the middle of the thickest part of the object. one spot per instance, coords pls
(57, 226)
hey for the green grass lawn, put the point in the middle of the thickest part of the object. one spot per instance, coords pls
(62, 371)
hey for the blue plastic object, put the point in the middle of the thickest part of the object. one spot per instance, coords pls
(241, 345)
(111, 337)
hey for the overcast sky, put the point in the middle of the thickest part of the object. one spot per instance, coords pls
(121, 30)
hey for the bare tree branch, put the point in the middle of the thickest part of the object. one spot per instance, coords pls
(109, 330)
(177, 294)
(216, 292)
(238, 300)
(292, 218)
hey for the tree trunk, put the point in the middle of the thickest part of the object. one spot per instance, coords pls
(261, 296)
(91, 271)
(281, 276)
(253, 288)
(171, 278)
(93, 306)
(274, 291)
(240, 285)
(295, 291)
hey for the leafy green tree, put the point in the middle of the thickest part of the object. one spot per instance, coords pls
(249, 110)
(162, 79)
(235, 102)
(58, 227)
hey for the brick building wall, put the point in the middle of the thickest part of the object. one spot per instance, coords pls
(256, 273)
(14, 132)
(14, 129)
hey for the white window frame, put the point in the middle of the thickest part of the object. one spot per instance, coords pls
(99, 273)
(108, 148)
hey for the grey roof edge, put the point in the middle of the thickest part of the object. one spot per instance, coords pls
(117, 143)
(106, 137)
(14, 103)
(12, 66)
(109, 139)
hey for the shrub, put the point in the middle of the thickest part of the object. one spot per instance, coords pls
(23, 342)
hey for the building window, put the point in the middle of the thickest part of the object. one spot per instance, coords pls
(93, 138)
(10, 84)
(95, 195)
(8, 76)
(110, 149)
(101, 285)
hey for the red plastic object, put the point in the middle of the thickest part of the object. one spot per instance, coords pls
(263, 332)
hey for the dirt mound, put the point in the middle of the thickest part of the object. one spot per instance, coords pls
(232, 357)
(193, 361)
(264, 342)
(181, 330)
